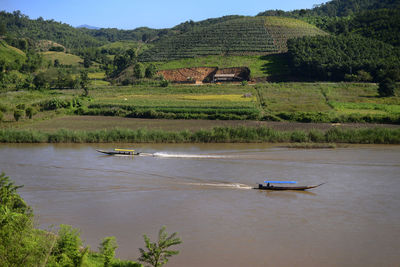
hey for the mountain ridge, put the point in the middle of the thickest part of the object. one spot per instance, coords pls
(86, 26)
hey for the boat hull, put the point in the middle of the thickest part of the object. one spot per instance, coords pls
(124, 153)
(272, 187)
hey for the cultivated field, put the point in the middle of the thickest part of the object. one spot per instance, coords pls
(301, 102)
(242, 36)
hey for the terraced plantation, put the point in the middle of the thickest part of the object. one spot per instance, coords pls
(282, 29)
(242, 36)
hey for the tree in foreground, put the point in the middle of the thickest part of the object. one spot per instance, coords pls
(157, 254)
(107, 249)
(67, 249)
(20, 243)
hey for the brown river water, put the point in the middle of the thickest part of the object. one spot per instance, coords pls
(204, 193)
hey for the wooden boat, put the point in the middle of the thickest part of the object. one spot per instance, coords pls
(273, 187)
(118, 151)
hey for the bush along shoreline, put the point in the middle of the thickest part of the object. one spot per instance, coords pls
(216, 135)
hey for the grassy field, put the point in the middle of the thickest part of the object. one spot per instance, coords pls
(64, 58)
(10, 54)
(322, 102)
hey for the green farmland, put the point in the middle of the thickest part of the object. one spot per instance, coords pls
(299, 102)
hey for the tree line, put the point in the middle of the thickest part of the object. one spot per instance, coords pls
(336, 8)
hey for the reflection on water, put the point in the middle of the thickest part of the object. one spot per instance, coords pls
(203, 192)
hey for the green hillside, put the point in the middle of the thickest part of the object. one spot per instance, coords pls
(10, 54)
(242, 36)
(63, 58)
(120, 47)
(21, 26)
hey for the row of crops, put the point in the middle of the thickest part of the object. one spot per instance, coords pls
(174, 112)
(243, 36)
(233, 37)
(198, 104)
(282, 29)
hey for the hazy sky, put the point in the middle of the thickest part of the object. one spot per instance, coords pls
(130, 14)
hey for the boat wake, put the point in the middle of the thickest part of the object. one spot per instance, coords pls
(222, 185)
(193, 156)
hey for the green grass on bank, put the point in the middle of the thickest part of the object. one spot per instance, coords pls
(216, 135)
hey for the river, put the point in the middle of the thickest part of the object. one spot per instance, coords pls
(203, 191)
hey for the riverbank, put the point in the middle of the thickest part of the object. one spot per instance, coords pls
(238, 134)
(94, 123)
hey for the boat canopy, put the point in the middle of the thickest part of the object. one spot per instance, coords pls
(281, 182)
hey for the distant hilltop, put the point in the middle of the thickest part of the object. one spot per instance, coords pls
(88, 27)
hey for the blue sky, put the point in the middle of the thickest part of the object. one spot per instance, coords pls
(130, 14)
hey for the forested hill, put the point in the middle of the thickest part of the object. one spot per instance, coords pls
(337, 8)
(19, 25)
(381, 24)
(147, 35)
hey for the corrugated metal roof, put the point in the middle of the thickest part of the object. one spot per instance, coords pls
(224, 75)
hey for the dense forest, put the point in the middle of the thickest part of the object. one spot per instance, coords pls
(343, 57)
(336, 8)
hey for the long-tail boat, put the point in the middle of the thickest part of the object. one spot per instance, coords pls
(269, 186)
(119, 151)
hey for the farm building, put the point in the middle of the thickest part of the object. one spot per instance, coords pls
(206, 74)
(224, 77)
